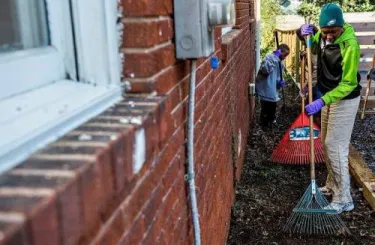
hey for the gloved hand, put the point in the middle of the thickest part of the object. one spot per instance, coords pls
(277, 52)
(280, 83)
(307, 29)
(314, 107)
(303, 92)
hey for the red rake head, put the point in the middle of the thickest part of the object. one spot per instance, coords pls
(294, 147)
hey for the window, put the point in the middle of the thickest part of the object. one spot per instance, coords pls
(29, 55)
(57, 71)
(23, 26)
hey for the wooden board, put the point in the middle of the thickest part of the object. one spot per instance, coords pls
(362, 175)
(358, 166)
(370, 102)
(369, 193)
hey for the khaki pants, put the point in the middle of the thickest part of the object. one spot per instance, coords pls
(336, 128)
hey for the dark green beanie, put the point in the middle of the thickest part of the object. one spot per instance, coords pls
(331, 15)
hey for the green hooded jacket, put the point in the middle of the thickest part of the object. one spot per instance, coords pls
(338, 66)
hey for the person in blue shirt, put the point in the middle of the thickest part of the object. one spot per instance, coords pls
(268, 82)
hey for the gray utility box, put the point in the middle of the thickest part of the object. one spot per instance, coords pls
(194, 22)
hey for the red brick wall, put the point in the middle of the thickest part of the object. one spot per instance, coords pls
(222, 117)
(83, 188)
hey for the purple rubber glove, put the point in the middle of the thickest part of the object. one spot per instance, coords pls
(277, 52)
(307, 29)
(314, 107)
(281, 83)
(304, 91)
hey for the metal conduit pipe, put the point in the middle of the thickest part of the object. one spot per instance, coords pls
(190, 177)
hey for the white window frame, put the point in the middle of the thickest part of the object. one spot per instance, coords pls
(53, 104)
(19, 68)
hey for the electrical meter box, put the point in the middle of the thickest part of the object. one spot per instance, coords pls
(194, 23)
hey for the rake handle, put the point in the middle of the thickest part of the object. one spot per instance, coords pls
(367, 89)
(303, 64)
(280, 67)
(309, 82)
(366, 98)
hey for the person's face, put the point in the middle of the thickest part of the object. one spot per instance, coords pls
(331, 33)
(284, 54)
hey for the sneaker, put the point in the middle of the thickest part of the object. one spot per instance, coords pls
(326, 191)
(340, 207)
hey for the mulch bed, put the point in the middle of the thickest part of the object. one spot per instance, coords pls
(267, 192)
(363, 139)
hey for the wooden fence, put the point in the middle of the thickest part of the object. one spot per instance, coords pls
(290, 38)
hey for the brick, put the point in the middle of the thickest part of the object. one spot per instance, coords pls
(163, 212)
(181, 227)
(174, 169)
(148, 62)
(183, 233)
(102, 167)
(151, 127)
(40, 212)
(162, 238)
(184, 88)
(141, 85)
(217, 33)
(179, 114)
(70, 211)
(152, 205)
(135, 235)
(13, 230)
(122, 162)
(139, 196)
(174, 192)
(147, 32)
(170, 77)
(147, 7)
(242, 23)
(166, 156)
(240, 6)
(68, 195)
(241, 12)
(161, 82)
(44, 224)
(77, 198)
(121, 148)
(112, 231)
(202, 71)
(153, 231)
(174, 97)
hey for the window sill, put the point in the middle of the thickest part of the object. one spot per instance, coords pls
(31, 120)
(226, 30)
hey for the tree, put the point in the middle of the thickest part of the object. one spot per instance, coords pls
(269, 10)
(310, 9)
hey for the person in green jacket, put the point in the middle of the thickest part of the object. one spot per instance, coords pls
(338, 54)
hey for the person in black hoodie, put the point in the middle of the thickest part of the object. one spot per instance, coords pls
(338, 54)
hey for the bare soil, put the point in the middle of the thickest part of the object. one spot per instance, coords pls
(267, 192)
(363, 139)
